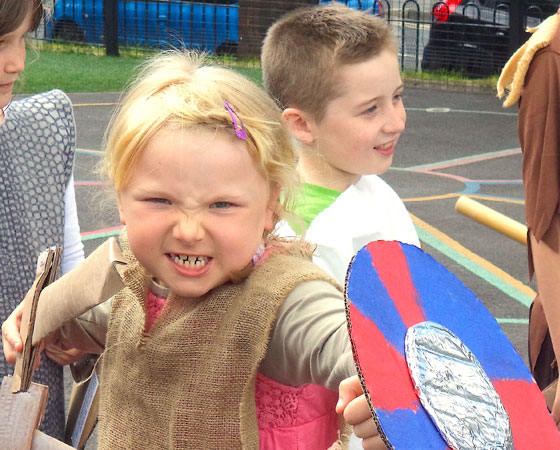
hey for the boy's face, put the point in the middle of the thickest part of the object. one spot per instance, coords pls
(360, 129)
(196, 208)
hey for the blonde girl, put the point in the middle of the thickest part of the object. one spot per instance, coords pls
(224, 336)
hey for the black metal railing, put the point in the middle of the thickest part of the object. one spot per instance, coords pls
(475, 37)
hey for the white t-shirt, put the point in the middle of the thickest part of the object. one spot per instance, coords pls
(366, 211)
(73, 250)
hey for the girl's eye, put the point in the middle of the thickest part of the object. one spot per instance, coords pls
(162, 201)
(220, 205)
(371, 109)
(398, 97)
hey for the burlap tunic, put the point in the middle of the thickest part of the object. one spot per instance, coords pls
(189, 382)
(37, 143)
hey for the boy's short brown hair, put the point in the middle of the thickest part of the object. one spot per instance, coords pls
(303, 50)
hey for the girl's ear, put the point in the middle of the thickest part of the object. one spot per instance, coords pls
(272, 208)
(298, 125)
(121, 209)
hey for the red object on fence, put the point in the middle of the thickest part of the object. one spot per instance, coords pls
(445, 8)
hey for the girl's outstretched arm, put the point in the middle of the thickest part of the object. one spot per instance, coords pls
(353, 404)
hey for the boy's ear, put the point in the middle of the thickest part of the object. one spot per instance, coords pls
(298, 125)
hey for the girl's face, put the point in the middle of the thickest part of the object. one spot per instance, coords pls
(12, 59)
(195, 208)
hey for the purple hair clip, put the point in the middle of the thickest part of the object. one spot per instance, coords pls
(239, 129)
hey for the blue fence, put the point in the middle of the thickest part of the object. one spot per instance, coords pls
(210, 26)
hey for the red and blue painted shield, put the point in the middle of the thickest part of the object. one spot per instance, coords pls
(392, 287)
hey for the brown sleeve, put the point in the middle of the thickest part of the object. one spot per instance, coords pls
(539, 135)
(310, 342)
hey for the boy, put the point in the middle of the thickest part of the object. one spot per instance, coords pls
(335, 73)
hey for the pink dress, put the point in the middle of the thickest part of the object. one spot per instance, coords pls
(295, 418)
(289, 418)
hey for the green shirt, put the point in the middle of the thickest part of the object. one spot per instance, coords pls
(310, 201)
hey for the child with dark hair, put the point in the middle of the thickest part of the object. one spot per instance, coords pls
(37, 143)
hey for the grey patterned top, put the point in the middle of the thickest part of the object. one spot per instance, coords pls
(37, 143)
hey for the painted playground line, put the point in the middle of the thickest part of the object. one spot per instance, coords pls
(439, 241)
(476, 264)
(440, 110)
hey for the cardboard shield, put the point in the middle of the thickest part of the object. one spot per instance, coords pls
(392, 287)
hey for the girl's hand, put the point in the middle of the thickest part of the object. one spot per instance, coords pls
(352, 402)
(60, 353)
(11, 338)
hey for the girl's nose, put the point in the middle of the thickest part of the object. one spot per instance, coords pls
(15, 58)
(188, 228)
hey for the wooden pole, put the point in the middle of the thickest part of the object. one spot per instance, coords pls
(491, 218)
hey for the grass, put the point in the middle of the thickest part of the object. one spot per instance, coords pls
(48, 67)
(88, 69)
(450, 80)
(75, 72)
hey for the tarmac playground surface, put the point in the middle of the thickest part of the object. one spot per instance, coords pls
(455, 143)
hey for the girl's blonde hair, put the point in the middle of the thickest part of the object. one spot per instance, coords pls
(178, 89)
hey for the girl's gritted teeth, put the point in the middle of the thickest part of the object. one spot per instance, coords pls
(189, 261)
